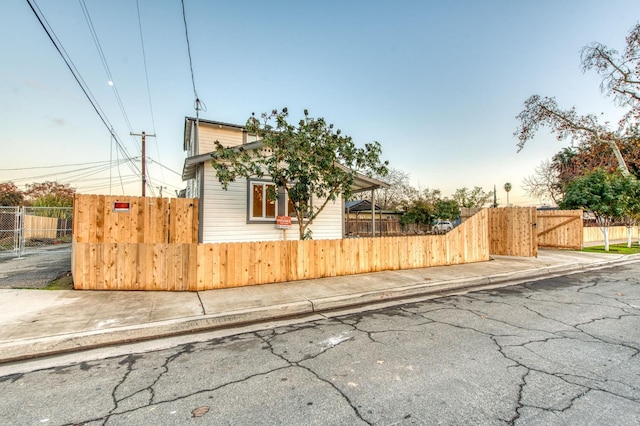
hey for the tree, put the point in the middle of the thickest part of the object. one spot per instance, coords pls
(418, 216)
(476, 198)
(620, 79)
(304, 161)
(49, 194)
(544, 185)
(507, 189)
(396, 197)
(447, 209)
(609, 196)
(421, 210)
(628, 188)
(10, 195)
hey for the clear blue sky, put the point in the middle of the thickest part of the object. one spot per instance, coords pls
(438, 84)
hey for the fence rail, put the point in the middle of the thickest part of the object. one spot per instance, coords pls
(560, 228)
(194, 267)
(362, 227)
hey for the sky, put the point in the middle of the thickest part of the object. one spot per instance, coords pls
(438, 84)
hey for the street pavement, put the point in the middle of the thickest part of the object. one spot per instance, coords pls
(558, 351)
(37, 323)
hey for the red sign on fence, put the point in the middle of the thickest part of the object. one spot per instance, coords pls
(121, 206)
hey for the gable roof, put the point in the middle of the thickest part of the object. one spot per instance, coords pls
(219, 124)
(359, 206)
(361, 182)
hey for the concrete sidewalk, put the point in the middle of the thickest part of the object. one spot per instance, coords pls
(36, 323)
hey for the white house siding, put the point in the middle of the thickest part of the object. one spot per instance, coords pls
(225, 216)
(328, 225)
(208, 135)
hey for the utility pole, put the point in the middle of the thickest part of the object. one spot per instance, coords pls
(144, 158)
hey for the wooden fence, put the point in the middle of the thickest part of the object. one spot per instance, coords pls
(560, 228)
(512, 231)
(116, 219)
(40, 227)
(362, 227)
(194, 267)
(594, 234)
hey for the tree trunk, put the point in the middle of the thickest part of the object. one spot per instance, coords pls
(605, 231)
(629, 229)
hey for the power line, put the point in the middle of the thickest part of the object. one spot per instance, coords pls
(53, 167)
(105, 64)
(78, 77)
(146, 72)
(146, 76)
(164, 167)
(186, 33)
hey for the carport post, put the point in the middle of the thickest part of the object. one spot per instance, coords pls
(373, 213)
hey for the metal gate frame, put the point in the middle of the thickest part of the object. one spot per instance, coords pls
(10, 230)
(33, 229)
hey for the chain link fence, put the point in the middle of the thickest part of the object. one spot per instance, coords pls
(9, 231)
(34, 229)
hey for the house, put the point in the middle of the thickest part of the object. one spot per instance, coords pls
(243, 212)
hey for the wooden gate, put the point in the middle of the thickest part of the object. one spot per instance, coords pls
(512, 231)
(560, 229)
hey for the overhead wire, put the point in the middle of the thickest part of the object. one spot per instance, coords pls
(53, 167)
(121, 148)
(105, 65)
(100, 167)
(146, 76)
(78, 77)
(186, 33)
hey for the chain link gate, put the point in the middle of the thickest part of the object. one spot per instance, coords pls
(34, 229)
(9, 231)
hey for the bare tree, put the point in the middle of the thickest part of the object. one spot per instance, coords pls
(544, 185)
(620, 78)
(396, 197)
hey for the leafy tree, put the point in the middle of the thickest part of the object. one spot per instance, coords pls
(620, 79)
(421, 210)
(628, 188)
(49, 194)
(609, 196)
(507, 189)
(475, 198)
(447, 209)
(10, 195)
(418, 216)
(551, 177)
(307, 160)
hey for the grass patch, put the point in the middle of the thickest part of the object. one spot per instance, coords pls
(63, 282)
(615, 249)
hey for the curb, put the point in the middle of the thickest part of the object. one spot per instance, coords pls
(25, 349)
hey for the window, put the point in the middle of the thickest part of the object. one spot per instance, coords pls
(266, 201)
(263, 200)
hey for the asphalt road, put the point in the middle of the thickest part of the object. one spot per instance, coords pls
(36, 269)
(557, 351)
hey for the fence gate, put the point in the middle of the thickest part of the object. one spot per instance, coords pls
(9, 231)
(34, 229)
(512, 231)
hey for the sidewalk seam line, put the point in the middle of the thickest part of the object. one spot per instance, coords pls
(201, 304)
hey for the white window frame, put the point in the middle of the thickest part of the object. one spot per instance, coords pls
(282, 204)
(260, 219)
